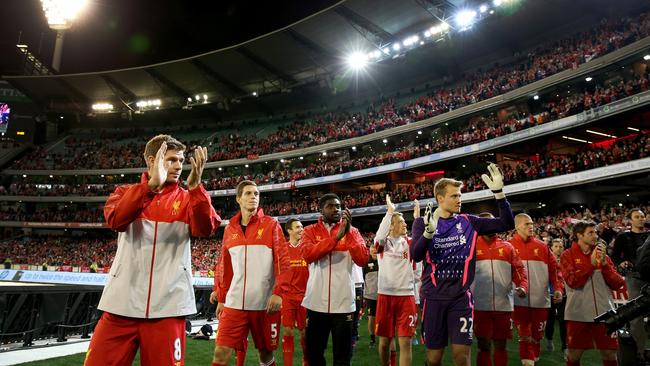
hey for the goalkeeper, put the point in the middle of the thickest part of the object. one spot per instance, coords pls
(446, 240)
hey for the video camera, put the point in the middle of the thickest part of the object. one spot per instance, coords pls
(615, 319)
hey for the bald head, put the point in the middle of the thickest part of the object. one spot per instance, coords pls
(524, 226)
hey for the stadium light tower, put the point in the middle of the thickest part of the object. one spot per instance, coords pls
(60, 14)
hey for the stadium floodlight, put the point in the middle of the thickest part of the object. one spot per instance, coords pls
(197, 97)
(483, 8)
(497, 2)
(102, 107)
(536, 97)
(357, 60)
(396, 46)
(205, 97)
(189, 99)
(427, 34)
(385, 141)
(465, 18)
(60, 14)
(588, 79)
(302, 157)
(646, 57)
(324, 153)
(354, 148)
(419, 132)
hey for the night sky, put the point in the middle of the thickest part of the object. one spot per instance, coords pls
(113, 34)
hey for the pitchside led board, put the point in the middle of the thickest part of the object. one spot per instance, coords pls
(5, 111)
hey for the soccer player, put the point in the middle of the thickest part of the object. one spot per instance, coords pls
(531, 311)
(252, 275)
(590, 277)
(370, 292)
(396, 310)
(556, 312)
(294, 315)
(497, 267)
(330, 247)
(149, 290)
(446, 239)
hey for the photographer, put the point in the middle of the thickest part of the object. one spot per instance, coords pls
(624, 255)
(590, 278)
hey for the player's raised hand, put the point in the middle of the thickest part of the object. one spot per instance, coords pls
(158, 172)
(431, 217)
(416, 209)
(494, 181)
(346, 221)
(390, 206)
(198, 163)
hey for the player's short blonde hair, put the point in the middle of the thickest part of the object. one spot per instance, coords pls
(441, 186)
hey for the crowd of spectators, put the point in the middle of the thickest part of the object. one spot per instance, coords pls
(543, 61)
(475, 130)
(550, 164)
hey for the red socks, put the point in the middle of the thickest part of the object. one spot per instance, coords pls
(287, 350)
(393, 358)
(500, 357)
(241, 354)
(483, 359)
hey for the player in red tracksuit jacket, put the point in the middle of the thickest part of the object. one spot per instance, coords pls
(252, 277)
(531, 311)
(294, 315)
(497, 267)
(331, 246)
(149, 289)
(590, 277)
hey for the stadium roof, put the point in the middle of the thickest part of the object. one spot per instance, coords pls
(304, 61)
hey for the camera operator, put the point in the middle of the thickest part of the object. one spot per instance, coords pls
(624, 255)
(590, 277)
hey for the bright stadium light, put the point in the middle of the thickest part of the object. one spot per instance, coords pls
(396, 47)
(60, 14)
(465, 18)
(589, 78)
(357, 61)
(646, 57)
(483, 8)
(536, 97)
(102, 107)
(497, 2)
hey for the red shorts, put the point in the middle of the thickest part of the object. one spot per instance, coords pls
(116, 340)
(396, 312)
(293, 314)
(234, 326)
(530, 322)
(493, 324)
(582, 335)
